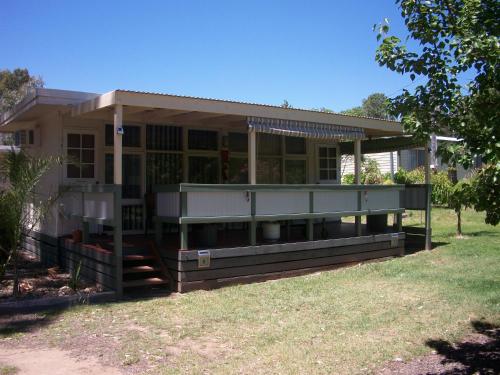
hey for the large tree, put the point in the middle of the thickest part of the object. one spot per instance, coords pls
(455, 59)
(14, 85)
(375, 105)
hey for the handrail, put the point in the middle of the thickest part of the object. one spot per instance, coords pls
(188, 187)
(90, 188)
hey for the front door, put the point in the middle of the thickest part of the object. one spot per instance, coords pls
(327, 172)
(132, 192)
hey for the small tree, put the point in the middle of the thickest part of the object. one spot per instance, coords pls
(461, 196)
(21, 206)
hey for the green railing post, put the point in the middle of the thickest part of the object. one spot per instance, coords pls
(310, 222)
(117, 238)
(184, 231)
(253, 222)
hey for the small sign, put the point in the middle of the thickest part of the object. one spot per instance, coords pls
(203, 258)
(394, 239)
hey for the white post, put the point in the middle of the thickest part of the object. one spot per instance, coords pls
(357, 180)
(117, 148)
(252, 156)
(428, 186)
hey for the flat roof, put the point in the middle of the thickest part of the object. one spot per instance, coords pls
(139, 106)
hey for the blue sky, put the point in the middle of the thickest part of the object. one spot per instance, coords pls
(312, 53)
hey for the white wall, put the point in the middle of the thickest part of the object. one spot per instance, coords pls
(383, 160)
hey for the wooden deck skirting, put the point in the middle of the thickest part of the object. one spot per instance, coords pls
(254, 263)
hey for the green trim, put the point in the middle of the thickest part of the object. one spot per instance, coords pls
(186, 187)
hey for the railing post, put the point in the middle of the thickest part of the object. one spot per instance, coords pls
(253, 222)
(85, 231)
(183, 232)
(428, 205)
(357, 177)
(117, 238)
(310, 222)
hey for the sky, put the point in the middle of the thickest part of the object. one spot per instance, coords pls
(312, 53)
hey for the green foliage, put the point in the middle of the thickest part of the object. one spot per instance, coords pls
(415, 176)
(457, 61)
(375, 105)
(371, 174)
(74, 279)
(22, 207)
(442, 187)
(486, 187)
(348, 179)
(285, 104)
(14, 85)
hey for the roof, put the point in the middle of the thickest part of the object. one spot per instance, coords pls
(178, 107)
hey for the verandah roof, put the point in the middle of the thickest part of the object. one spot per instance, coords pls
(305, 129)
(370, 146)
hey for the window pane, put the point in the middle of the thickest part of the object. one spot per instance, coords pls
(332, 163)
(269, 144)
(323, 163)
(322, 152)
(74, 140)
(163, 169)
(73, 155)
(131, 176)
(164, 137)
(295, 171)
(87, 156)
(87, 170)
(332, 174)
(238, 142)
(269, 171)
(295, 145)
(332, 152)
(323, 174)
(203, 170)
(109, 136)
(202, 140)
(238, 171)
(72, 171)
(87, 141)
(109, 169)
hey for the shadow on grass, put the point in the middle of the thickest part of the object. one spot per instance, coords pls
(24, 323)
(479, 354)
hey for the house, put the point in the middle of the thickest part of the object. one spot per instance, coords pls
(198, 193)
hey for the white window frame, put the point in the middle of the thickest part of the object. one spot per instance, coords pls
(65, 150)
(337, 153)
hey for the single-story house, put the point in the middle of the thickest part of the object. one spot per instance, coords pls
(197, 193)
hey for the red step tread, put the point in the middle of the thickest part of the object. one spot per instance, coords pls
(145, 282)
(138, 257)
(139, 269)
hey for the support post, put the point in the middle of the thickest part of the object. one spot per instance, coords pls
(357, 179)
(117, 197)
(428, 197)
(183, 228)
(310, 222)
(85, 232)
(252, 156)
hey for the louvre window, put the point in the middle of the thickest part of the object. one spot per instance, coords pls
(238, 142)
(205, 140)
(203, 169)
(295, 145)
(131, 136)
(295, 171)
(163, 168)
(164, 138)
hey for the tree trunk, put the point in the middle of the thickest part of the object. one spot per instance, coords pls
(459, 223)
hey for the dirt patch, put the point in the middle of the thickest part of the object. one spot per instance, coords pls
(479, 353)
(38, 281)
(30, 361)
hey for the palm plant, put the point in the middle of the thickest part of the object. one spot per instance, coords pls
(22, 207)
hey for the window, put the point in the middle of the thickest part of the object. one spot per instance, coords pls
(269, 171)
(238, 142)
(80, 150)
(131, 136)
(163, 168)
(327, 163)
(295, 145)
(203, 169)
(295, 171)
(131, 173)
(20, 137)
(238, 171)
(269, 144)
(205, 140)
(164, 138)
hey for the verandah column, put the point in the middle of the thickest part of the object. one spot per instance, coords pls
(428, 196)
(357, 181)
(117, 193)
(252, 179)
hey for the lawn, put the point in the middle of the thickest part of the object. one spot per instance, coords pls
(351, 320)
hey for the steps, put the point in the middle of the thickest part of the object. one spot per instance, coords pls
(143, 271)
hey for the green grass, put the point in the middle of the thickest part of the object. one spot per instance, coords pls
(8, 370)
(345, 321)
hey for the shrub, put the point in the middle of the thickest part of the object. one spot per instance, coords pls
(441, 188)
(348, 179)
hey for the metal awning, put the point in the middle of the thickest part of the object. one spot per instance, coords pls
(304, 129)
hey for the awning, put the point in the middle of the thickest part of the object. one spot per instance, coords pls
(373, 146)
(305, 129)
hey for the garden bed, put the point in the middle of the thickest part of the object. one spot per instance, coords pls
(38, 281)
